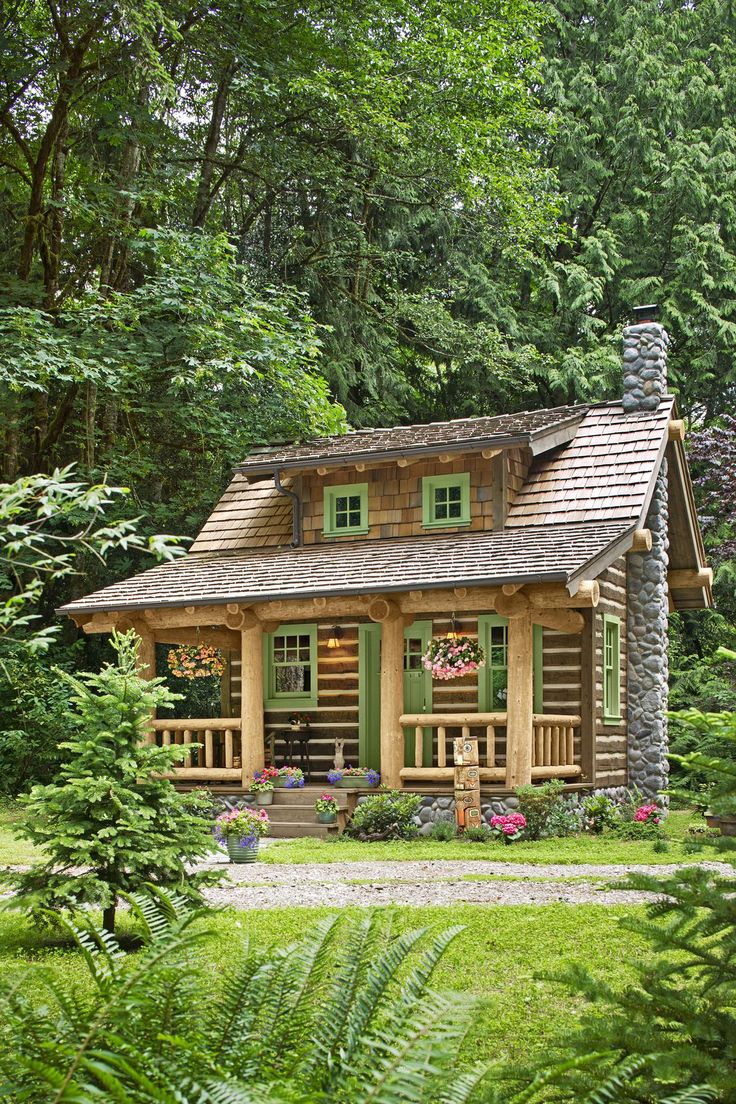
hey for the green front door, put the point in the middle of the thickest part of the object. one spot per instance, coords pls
(369, 695)
(417, 686)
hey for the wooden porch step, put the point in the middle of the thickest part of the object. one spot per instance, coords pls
(290, 814)
(296, 829)
(307, 796)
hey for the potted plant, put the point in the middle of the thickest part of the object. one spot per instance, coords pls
(354, 778)
(240, 830)
(262, 785)
(326, 807)
(289, 778)
(508, 827)
(451, 657)
(298, 721)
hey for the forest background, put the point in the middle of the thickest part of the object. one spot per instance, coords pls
(231, 223)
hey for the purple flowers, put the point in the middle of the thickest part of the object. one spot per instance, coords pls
(246, 825)
(366, 774)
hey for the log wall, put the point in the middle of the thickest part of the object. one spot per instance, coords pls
(336, 714)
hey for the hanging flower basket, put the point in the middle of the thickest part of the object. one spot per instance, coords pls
(450, 657)
(193, 661)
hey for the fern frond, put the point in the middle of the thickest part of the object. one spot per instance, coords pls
(615, 1084)
(696, 1094)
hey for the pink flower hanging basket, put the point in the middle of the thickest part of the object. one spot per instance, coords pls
(451, 657)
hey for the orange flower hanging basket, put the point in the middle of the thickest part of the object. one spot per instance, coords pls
(193, 661)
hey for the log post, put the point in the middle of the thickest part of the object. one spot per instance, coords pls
(251, 699)
(519, 701)
(146, 661)
(392, 700)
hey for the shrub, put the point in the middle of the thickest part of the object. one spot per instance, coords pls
(444, 828)
(388, 815)
(536, 804)
(564, 820)
(345, 1014)
(109, 823)
(478, 833)
(599, 812)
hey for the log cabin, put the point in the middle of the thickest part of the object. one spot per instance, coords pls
(560, 539)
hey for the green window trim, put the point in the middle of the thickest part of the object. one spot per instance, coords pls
(445, 501)
(611, 669)
(487, 622)
(538, 661)
(345, 510)
(276, 657)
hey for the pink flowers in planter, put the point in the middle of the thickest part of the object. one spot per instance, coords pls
(508, 827)
(647, 814)
(451, 657)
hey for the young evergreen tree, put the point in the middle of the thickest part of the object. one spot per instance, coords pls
(670, 1036)
(109, 823)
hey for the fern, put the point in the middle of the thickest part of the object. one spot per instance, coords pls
(345, 1015)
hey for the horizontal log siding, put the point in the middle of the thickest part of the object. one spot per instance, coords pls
(561, 676)
(610, 744)
(337, 669)
(395, 498)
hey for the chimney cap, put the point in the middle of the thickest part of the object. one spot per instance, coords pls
(649, 313)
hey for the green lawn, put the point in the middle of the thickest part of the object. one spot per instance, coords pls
(582, 849)
(572, 850)
(496, 959)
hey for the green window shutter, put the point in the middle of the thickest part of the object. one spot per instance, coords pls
(290, 667)
(345, 510)
(538, 669)
(493, 676)
(611, 669)
(445, 500)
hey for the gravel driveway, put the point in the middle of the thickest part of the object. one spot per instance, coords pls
(337, 885)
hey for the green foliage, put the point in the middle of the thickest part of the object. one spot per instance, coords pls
(35, 720)
(108, 823)
(344, 1014)
(599, 813)
(48, 523)
(385, 816)
(444, 829)
(478, 833)
(537, 803)
(671, 1035)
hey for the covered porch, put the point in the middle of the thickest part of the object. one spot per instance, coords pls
(350, 664)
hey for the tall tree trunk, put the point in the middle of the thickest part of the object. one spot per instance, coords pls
(68, 85)
(90, 417)
(205, 192)
(50, 242)
(108, 919)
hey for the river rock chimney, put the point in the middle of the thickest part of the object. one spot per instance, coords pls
(645, 385)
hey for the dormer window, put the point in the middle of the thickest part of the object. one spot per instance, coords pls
(346, 510)
(445, 500)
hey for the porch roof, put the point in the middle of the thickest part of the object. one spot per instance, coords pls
(552, 553)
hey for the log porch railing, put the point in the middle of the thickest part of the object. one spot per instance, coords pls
(552, 736)
(220, 737)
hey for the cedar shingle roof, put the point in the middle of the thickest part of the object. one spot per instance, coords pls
(247, 516)
(555, 553)
(604, 474)
(504, 430)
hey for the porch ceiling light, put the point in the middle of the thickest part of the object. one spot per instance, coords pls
(334, 637)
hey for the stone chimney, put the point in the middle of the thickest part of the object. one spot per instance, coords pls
(645, 361)
(645, 384)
